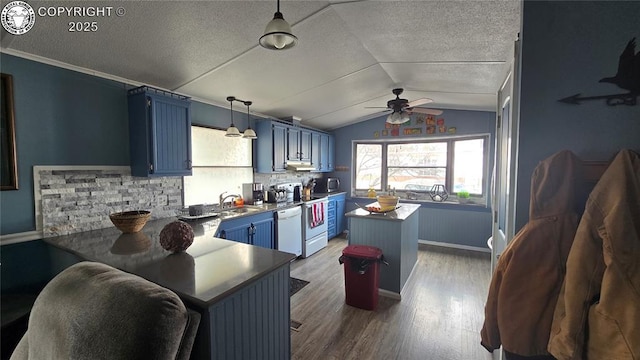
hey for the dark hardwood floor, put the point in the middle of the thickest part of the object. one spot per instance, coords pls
(439, 316)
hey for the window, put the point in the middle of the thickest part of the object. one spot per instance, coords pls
(220, 164)
(458, 163)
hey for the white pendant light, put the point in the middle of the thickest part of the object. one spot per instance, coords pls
(232, 130)
(249, 133)
(277, 34)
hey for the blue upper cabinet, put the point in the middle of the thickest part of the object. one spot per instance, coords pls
(270, 149)
(325, 153)
(159, 133)
(331, 158)
(316, 153)
(278, 143)
(298, 144)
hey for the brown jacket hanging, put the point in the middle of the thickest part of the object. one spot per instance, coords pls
(528, 276)
(598, 312)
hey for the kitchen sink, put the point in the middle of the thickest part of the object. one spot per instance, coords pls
(240, 211)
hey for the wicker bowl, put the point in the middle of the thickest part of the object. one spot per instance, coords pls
(130, 221)
(388, 201)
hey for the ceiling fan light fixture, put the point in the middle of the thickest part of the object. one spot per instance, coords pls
(232, 130)
(277, 34)
(398, 117)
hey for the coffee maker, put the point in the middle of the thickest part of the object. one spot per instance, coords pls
(253, 193)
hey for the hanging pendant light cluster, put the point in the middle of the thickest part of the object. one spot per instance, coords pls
(232, 130)
(277, 34)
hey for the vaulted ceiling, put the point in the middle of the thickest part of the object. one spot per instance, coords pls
(349, 56)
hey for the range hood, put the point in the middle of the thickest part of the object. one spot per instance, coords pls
(300, 166)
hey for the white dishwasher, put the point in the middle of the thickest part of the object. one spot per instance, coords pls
(289, 230)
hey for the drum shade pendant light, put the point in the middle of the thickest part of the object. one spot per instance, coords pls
(232, 130)
(277, 34)
(249, 133)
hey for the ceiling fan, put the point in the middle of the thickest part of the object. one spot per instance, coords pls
(403, 108)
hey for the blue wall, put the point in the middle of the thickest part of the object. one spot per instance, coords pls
(466, 122)
(65, 117)
(438, 222)
(566, 48)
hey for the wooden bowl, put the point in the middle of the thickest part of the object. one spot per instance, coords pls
(130, 222)
(388, 201)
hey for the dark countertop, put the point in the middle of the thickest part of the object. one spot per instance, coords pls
(401, 213)
(208, 271)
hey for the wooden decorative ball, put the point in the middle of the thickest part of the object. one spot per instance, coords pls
(176, 236)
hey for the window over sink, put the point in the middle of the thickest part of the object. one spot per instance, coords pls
(219, 164)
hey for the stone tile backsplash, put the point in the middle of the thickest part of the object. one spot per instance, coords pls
(81, 200)
(286, 177)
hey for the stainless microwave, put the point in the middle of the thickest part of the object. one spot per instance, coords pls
(327, 185)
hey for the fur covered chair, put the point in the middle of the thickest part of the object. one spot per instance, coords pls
(94, 311)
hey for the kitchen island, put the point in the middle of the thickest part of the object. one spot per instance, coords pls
(396, 234)
(241, 291)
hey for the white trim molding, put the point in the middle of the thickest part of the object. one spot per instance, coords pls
(455, 246)
(20, 237)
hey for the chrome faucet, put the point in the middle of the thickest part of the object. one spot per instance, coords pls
(222, 198)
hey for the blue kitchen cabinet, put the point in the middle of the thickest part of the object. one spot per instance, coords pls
(159, 133)
(335, 215)
(254, 230)
(262, 232)
(235, 230)
(331, 158)
(324, 152)
(270, 150)
(341, 220)
(331, 218)
(321, 151)
(299, 144)
(278, 143)
(316, 158)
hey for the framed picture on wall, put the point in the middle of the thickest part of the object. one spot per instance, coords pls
(9, 170)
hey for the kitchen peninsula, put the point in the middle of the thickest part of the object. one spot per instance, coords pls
(241, 291)
(396, 234)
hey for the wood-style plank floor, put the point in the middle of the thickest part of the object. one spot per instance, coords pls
(439, 317)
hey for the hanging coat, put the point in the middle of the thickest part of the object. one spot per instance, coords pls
(529, 273)
(598, 312)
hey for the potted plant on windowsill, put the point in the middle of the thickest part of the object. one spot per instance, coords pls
(463, 197)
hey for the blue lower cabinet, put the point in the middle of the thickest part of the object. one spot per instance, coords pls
(254, 230)
(262, 233)
(335, 215)
(341, 220)
(236, 233)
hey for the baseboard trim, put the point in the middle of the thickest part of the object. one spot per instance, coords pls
(455, 246)
(20, 237)
(389, 294)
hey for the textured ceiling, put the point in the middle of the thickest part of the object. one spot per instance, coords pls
(349, 55)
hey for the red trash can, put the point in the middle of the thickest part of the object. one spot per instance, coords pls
(361, 275)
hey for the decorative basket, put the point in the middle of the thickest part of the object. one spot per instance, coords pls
(130, 221)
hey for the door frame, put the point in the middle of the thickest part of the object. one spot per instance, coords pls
(504, 184)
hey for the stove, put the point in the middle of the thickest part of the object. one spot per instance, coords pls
(314, 225)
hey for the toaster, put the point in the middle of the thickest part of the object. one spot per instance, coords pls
(276, 195)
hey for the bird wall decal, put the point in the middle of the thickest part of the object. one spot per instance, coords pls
(627, 77)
